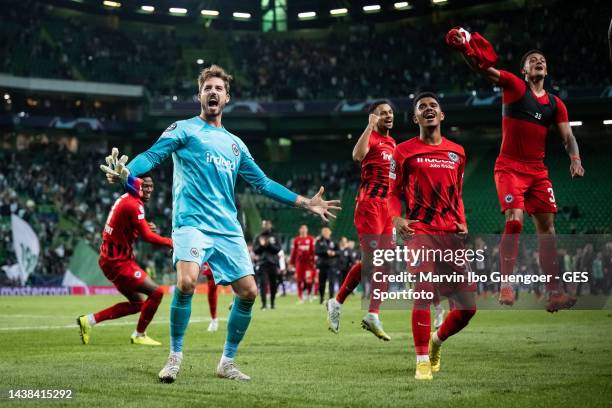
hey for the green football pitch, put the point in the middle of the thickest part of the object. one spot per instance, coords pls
(504, 358)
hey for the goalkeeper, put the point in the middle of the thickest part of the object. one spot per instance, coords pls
(207, 160)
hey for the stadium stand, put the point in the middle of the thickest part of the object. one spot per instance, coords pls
(399, 57)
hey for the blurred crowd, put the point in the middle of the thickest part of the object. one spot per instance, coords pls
(388, 60)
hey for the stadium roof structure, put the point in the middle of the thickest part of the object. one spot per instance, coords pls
(266, 15)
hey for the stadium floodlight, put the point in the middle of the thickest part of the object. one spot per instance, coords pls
(339, 12)
(200, 61)
(575, 123)
(177, 10)
(148, 9)
(109, 3)
(7, 96)
(238, 14)
(605, 122)
(439, 1)
(209, 13)
(306, 15)
(402, 5)
(371, 8)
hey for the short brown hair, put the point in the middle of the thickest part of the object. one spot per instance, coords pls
(214, 71)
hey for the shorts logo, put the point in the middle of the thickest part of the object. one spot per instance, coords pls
(453, 156)
(194, 252)
(508, 198)
(170, 128)
(137, 274)
(235, 149)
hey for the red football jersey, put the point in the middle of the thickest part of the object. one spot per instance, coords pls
(526, 119)
(302, 250)
(429, 178)
(126, 222)
(375, 168)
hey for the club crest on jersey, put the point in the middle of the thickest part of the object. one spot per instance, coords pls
(194, 252)
(235, 149)
(170, 128)
(508, 198)
(453, 156)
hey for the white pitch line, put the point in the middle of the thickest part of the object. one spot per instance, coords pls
(74, 325)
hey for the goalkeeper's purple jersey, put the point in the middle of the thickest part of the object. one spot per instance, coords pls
(206, 162)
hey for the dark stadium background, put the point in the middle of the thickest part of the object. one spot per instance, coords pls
(78, 77)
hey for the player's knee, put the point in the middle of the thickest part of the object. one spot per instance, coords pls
(136, 305)
(467, 314)
(547, 228)
(249, 293)
(157, 295)
(186, 284)
(513, 226)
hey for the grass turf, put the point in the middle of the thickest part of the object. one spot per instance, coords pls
(502, 359)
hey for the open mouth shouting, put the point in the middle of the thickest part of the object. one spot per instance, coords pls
(429, 115)
(212, 102)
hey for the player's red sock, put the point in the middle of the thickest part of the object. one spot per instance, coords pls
(118, 310)
(549, 259)
(421, 329)
(456, 320)
(509, 246)
(350, 283)
(148, 310)
(212, 298)
(300, 288)
(375, 302)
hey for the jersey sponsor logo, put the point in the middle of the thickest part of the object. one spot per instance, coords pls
(221, 162)
(194, 252)
(235, 149)
(137, 274)
(387, 156)
(508, 198)
(453, 156)
(437, 163)
(170, 128)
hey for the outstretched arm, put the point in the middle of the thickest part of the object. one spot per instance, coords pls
(491, 74)
(458, 39)
(252, 174)
(362, 147)
(116, 170)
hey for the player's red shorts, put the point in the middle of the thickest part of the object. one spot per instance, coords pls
(453, 267)
(127, 276)
(372, 221)
(524, 185)
(304, 272)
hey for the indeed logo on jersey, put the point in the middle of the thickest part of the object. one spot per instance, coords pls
(221, 162)
(436, 163)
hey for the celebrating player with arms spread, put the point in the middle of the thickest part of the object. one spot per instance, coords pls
(126, 222)
(429, 177)
(374, 150)
(521, 177)
(207, 160)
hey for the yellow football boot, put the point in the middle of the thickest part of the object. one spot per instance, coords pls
(85, 328)
(144, 341)
(423, 371)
